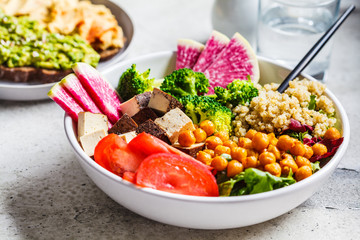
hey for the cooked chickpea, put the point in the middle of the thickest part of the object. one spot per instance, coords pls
(302, 173)
(260, 141)
(267, 158)
(332, 134)
(319, 149)
(186, 138)
(271, 136)
(273, 141)
(252, 152)
(286, 155)
(210, 151)
(204, 157)
(238, 153)
(273, 168)
(234, 168)
(275, 151)
(200, 135)
(308, 151)
(261, 151)
(298, 149)
(219, 163)
(288, 163)
(249, 162)
(221, 149)
(213, 141)
(302, 161)
(251, 133)
(223, 135)
(208, 126)
(230, 144)
(285, 142)
(245, 143)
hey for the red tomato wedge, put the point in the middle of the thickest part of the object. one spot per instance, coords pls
(129, 176)
(148, 145)
(113, 153)
(176, 174)
(99, 155)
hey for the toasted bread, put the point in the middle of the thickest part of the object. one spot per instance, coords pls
(31, 74)
(39, 75)
(108, 53)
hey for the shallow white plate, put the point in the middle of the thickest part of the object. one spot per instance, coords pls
(29, 92)
(204, 212)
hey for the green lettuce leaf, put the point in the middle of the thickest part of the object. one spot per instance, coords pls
(315, 166)
(253, 181)
(312, 103)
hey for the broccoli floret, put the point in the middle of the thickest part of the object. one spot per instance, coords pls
(185, 82)
(132, 83)
(200, 108)
(237, 92)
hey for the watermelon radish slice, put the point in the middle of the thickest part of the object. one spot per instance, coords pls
(102, 93)
(213, 47)
(188, 51)
(65, 101)
(78, 92)
(236, 61)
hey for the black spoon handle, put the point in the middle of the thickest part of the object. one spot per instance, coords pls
(314, 50)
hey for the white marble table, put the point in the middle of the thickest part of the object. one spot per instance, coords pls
(44, 194)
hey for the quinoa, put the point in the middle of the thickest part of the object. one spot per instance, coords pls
(271, 111)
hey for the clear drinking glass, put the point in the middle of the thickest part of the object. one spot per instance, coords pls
(231, 16)
(287, 29)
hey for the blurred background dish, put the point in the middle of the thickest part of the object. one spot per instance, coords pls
(34, 91)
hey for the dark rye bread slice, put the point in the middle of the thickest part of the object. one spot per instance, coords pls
(149, 126)
(143, 115)
(40, 75)
(123, 125)
(31, 74)
(108, 53)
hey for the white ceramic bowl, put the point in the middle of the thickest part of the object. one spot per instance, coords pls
(204, 212)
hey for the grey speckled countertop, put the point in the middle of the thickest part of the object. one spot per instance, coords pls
(44, 193)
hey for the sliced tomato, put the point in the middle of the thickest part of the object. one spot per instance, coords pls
(129, 176)
(147, 144)
(113, 153)
(99, 153)
(177, 174)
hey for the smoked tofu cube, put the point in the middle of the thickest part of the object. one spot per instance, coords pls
(162, 102)
(89, 141)
(135, 104)
(128, 136)
(123, 125)
(91, 122)
(174, 122)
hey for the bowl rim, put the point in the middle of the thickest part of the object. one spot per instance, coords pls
(331, 165)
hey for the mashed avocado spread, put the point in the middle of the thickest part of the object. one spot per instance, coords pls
(24, 42)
